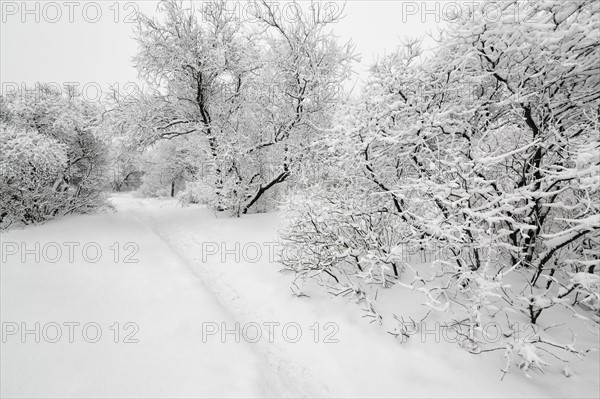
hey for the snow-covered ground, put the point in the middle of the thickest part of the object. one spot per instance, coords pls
(195, 276)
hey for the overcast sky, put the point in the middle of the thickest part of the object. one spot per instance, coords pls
(92, 42)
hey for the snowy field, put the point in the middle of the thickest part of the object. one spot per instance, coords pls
(300, 198)
(183, 287)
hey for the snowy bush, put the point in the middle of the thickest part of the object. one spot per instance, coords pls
(32, 168)
(196, 193)
(486, 151)
(68, 175)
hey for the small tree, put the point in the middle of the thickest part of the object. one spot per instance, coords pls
(168, 165)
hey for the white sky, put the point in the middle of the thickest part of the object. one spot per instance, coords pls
(98, 54)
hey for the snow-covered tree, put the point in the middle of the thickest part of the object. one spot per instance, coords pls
(168, 165)
(484, 150)
(251, 91)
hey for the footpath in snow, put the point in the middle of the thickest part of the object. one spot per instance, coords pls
(212, 316)
(159, 294)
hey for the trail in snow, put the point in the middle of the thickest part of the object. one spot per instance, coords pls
(159, 294)
(280, 374)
